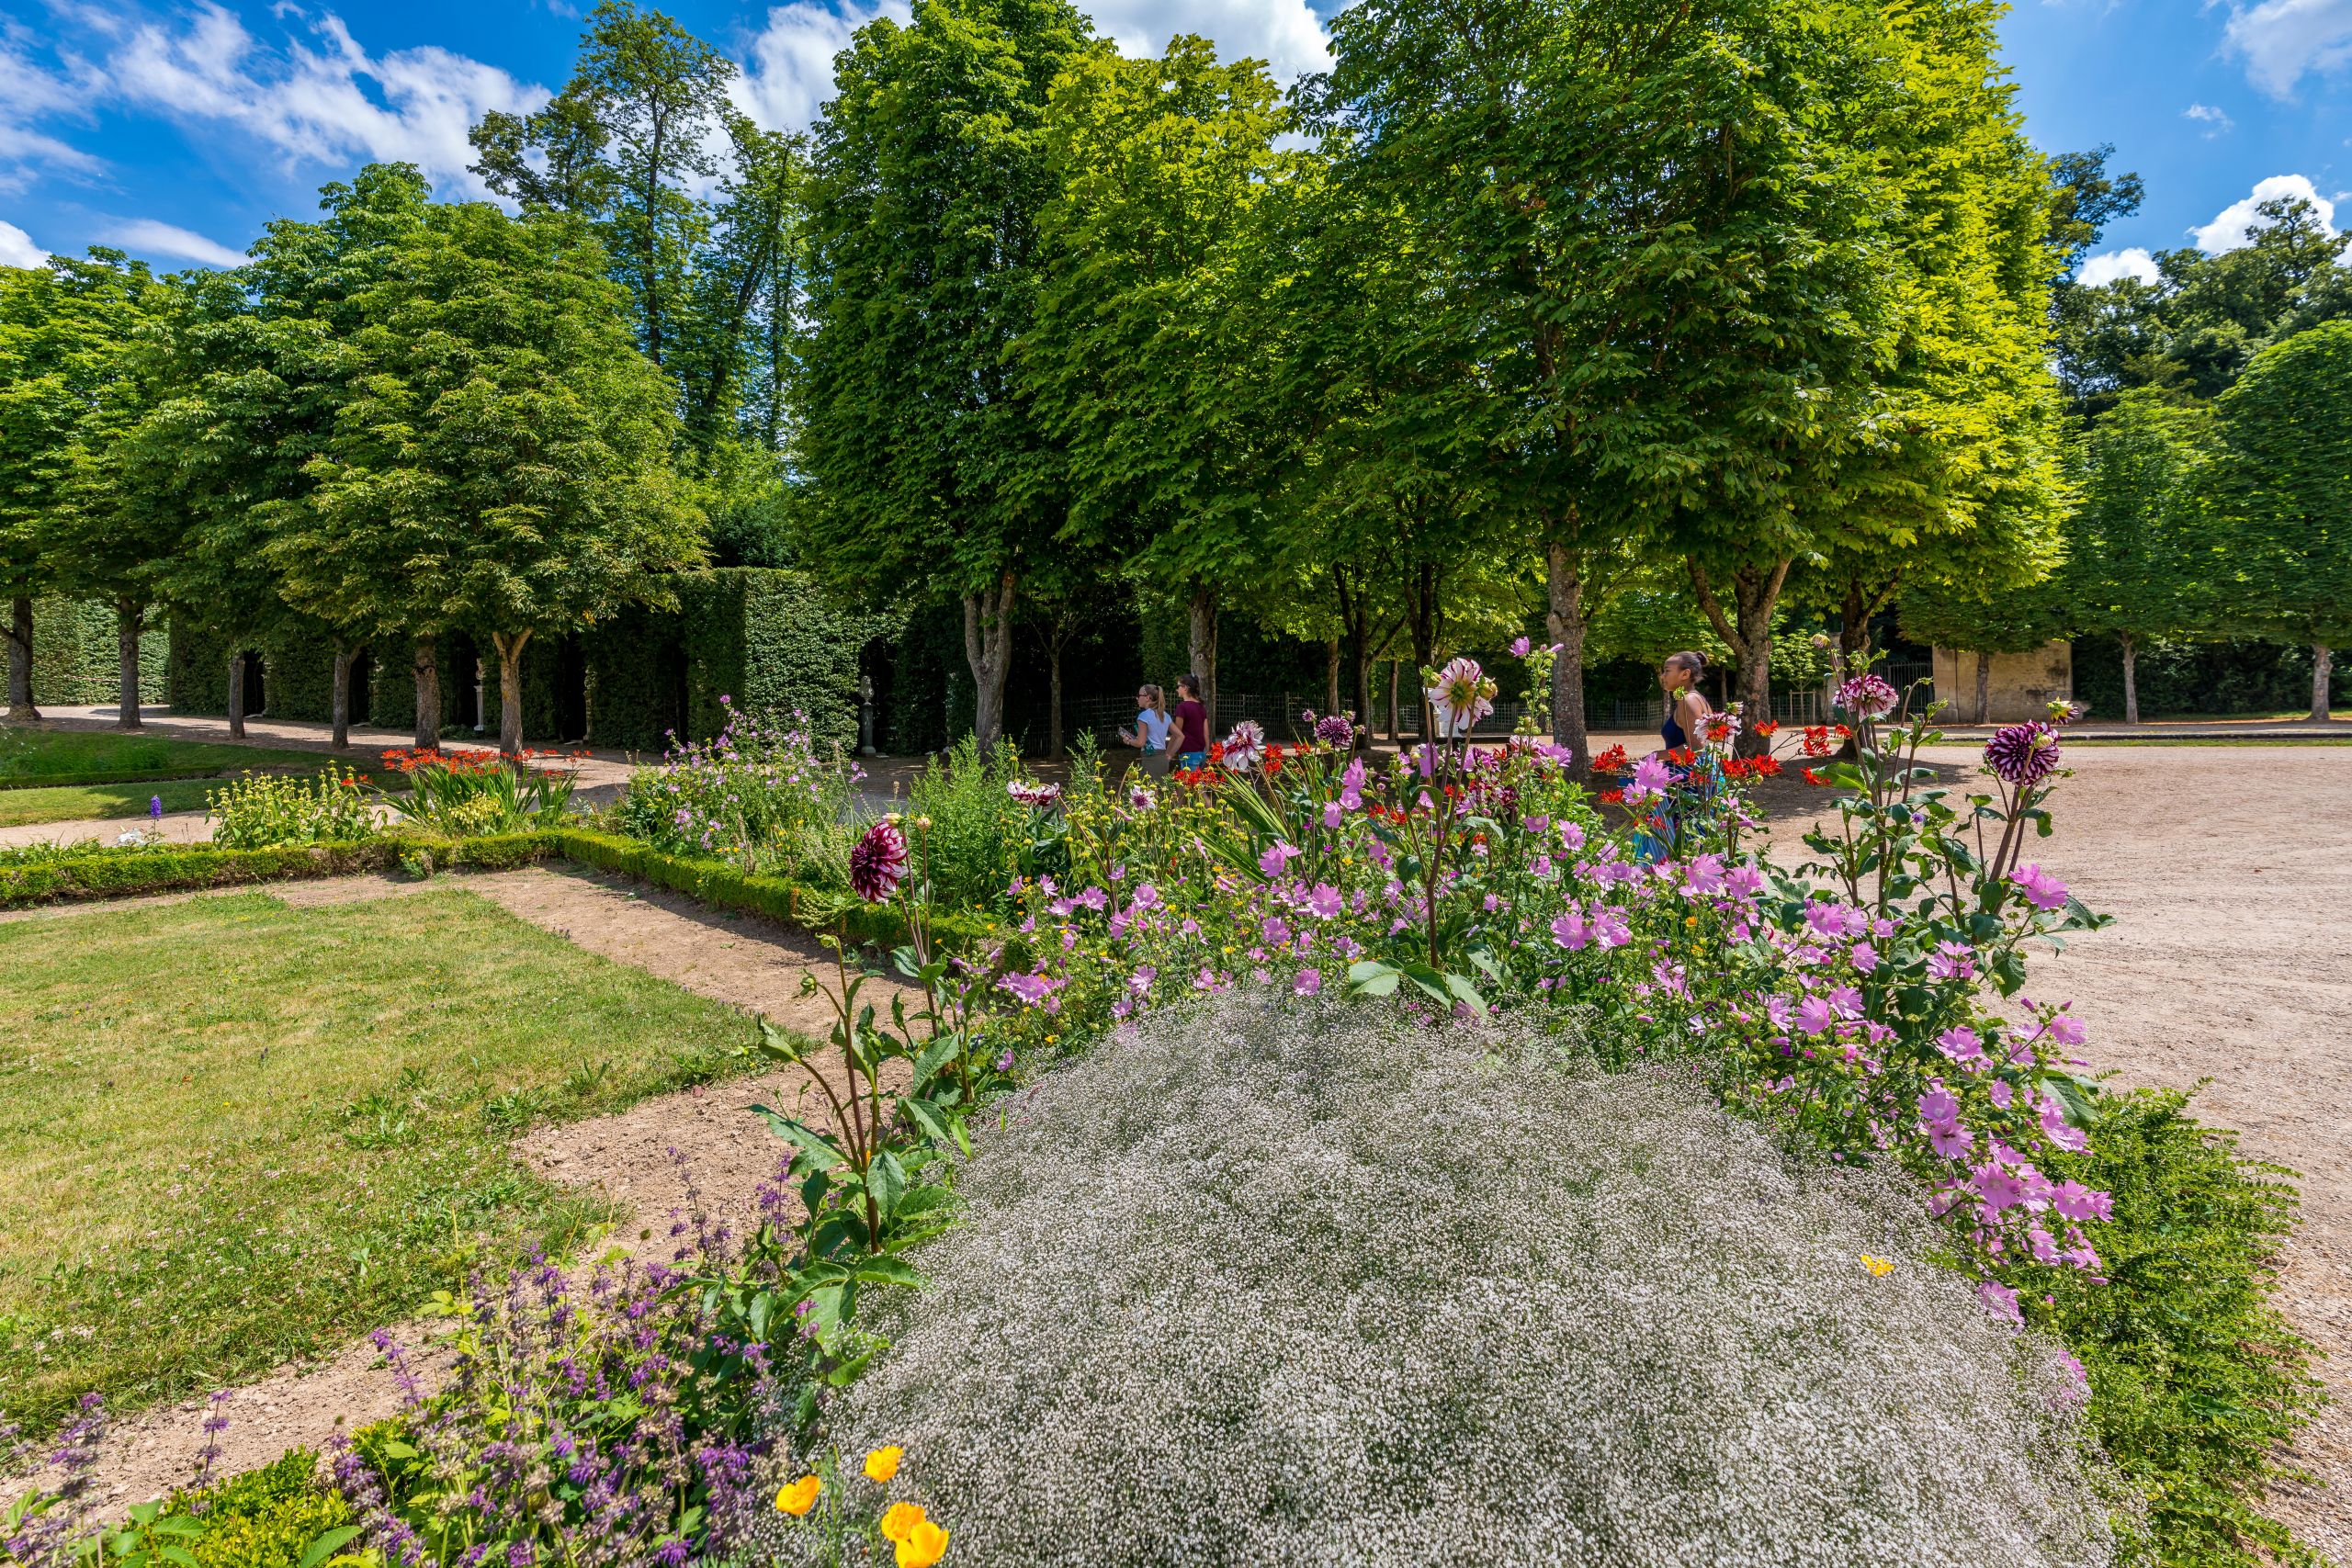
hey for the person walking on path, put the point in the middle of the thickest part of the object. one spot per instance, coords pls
(1150, 733)
(1192, 725)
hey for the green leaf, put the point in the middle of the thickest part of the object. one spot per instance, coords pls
(884, 1270)
(887, 1179)
(797, 1132)
(1466, 993)
(327, 1546)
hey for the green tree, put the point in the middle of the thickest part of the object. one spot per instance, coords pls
(935, 476)
(66, 328)
(2283, 483)
(1154, 355)
(502, 461)
(2139, 559)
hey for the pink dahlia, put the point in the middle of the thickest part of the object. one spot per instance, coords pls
(1868, 696)
(2023, 753)
(879, 863)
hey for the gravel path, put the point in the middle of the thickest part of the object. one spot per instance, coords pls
(2228, 870)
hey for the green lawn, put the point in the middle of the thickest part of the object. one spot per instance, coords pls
(234, 1131)
(73, 803)
(29, 753)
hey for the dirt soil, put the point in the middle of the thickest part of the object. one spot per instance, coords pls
(2229, 870)
(631, 1154)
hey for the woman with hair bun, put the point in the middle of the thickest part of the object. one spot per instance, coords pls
(1686, 706)
(1691, 796)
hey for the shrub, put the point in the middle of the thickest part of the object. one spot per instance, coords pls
(264, 1518)
(1256, 1285)
(260, 812)
(469, 795)
(979, 835)
(763, 795)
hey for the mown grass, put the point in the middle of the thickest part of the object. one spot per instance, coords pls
(232, 1132)
(28, 754)
(76, 803)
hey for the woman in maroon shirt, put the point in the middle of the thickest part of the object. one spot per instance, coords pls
(1192, 725)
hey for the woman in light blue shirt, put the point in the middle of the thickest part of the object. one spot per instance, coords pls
(1150, 733)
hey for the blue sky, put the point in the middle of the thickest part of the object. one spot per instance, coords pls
(176, 127)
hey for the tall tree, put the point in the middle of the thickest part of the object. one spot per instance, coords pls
(1151, 358)
(935, 474)
(2139, 561)
(2284, 483)
(503, 462)
(65, 331)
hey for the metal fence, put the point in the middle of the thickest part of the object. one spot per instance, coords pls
(1279, 714)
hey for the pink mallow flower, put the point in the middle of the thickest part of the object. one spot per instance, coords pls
(1963, 1045)
(1276, 857)
(1309, 983)
(2041, 890)
(2000, 1301)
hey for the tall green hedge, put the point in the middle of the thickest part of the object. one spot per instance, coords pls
(767, 639)
(74, 654)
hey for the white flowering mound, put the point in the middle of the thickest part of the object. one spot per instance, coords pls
(1312, 1285)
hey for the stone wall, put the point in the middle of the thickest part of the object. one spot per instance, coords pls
(2021, 686)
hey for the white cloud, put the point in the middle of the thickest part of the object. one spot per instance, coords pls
(2232, 226)
(30, 92)
(324, 105)
(1282, 33)
(2283, 38)
(16, 248)
(2135, 261)
(2206, 114)
(789, 69)
(151, 238)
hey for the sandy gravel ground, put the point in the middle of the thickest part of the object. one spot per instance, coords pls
(2229, 870)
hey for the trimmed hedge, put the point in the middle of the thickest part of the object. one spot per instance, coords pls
(725, 887)
(769, 640)
(2200, 677)
(104, 875)
(74, 654)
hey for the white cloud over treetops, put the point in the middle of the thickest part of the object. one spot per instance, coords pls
(16, 248)
(325, 101)
(149, 237)
(30, 93)
(2232, 226)
(2282, 39)
(2135, 261)
(789, 69)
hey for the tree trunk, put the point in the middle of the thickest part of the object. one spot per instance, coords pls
(1564, 622)
(1984, 688)
(1853, 628)
(510, 646)
(1396, 720)
(988, 648)
(2130, 679)
(237, 695)
(1202, 650)
(127, 616)
(1424, 596)
(427, 666)
(20, 661)
(1755, 591)
(2323, 666)
(342, 698)
(1331, 676)
(1053, 685)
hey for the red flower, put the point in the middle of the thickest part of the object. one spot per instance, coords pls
(1612, 797)
(1769, 728)
(1812, 778)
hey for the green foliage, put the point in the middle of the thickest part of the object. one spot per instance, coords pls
(260, 811)
(2138, 547)
(89, 872)
(980, 839)
(466, 795)
(2287, 434)
(270, 1517)
(74, 655)
(762, 793)
(2196, 1381)
(772, 643)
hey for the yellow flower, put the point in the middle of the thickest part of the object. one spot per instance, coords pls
(923, 1544)
(1690, 919)
(883, 1463)
(798, 1497)
(1879, 1266)
(900, 1518)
